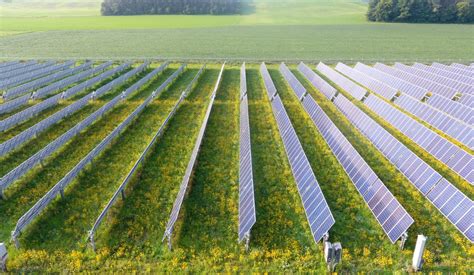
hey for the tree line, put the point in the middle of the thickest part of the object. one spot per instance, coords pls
(138, 7)
(421, 11)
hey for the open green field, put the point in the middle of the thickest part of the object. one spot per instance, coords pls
(268, 30)
(205, 238)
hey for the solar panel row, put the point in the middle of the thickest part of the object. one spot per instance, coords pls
(20, 139)
(14, 104)
(445, 151)
(14, 65)
(346, 84)
(267, 80)
(391, 215)
(299, 89)
(189, 169)
(59, 187)
(4, 66)
(427, 84)
(32, 76)
(441, 121)
(35, 109)
(95, 80)
(420, 174)
(68, 81)
(442, 72)
(317, 211)
(396, 83)
(373, 84)
(467, 100)
(44, 80)
(247, 215)
(453, 69)
(450, 83)
(318, 82)
(453, 108)
(462, 69)
(121, 189)
(31, 162)
(25, 69)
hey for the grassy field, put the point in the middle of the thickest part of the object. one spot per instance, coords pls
(269, 30)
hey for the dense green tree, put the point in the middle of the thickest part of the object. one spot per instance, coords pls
(134, 7)
(421, 11)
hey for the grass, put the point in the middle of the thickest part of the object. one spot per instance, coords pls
(271, 30)
(205, 237)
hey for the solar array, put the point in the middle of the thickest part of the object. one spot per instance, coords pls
(451, 83)
(420, 81)
(121, 189)
(34, 160)
(25, 69)
(453, 69)
(68, 81)
(348, 85)
(453, 108)
(318, 214)
(33, 76)
(4, 66)
(441, 121)
(17, 91)
(33, 110)
(247, 216)
(467, 100)
(373, 84)
(317, 81)
(396, 83)
(442, 72)
(299, 89)
(445, 151)
(189, 169)
(390, 214)
(59, 187)
(451, 202)
(18, 140)
(15, 65)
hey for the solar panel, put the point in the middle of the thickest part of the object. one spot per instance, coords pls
(23, 70)
(395, 220)
(299, 89)
(121, 189)
(467, 100)
(15, 65)
(396, 83)
(425, 83)
(317, 211)
(373, 84)
(25, 80)
(318, 82)
(33, 212)
(247, 216)
(440, 120)
(35, 109)
(346, 84)
(453, 69)
(11, 93)
(18, 140)
(448, 82)
(439, 147)
(444, 73)
(189, 169)
(420, 174)
(4, 66)
(453, 108)
(31, 162)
